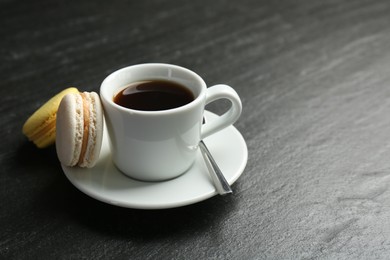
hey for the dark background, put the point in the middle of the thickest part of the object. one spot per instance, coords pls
(314, 78)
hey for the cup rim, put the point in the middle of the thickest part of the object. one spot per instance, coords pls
(193, 103)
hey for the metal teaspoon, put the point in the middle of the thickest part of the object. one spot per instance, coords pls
(220, 183)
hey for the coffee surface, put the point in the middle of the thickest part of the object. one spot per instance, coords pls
(154, 95)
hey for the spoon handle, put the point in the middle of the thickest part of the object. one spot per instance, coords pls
(219, 180)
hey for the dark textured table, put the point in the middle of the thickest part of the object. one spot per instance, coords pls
(314, 78)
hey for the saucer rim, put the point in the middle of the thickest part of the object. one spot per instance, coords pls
(166, 205)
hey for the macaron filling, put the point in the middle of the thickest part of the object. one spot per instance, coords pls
(86, 127)
(93, 144)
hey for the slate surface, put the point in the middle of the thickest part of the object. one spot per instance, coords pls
(314, 80)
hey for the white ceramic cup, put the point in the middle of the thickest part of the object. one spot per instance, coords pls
(161, 145)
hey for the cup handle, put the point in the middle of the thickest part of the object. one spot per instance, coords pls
(229, 117)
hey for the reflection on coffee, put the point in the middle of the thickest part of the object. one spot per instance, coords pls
(154, 95)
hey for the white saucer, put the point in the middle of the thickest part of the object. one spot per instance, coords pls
(106, 183)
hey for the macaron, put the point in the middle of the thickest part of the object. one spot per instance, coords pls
(40, 127)
(79, 129)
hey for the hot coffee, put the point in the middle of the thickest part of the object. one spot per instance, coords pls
(154, 95)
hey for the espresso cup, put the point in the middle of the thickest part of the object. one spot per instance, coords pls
(162, 144)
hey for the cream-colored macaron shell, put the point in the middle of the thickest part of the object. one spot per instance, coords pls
(79, 129)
